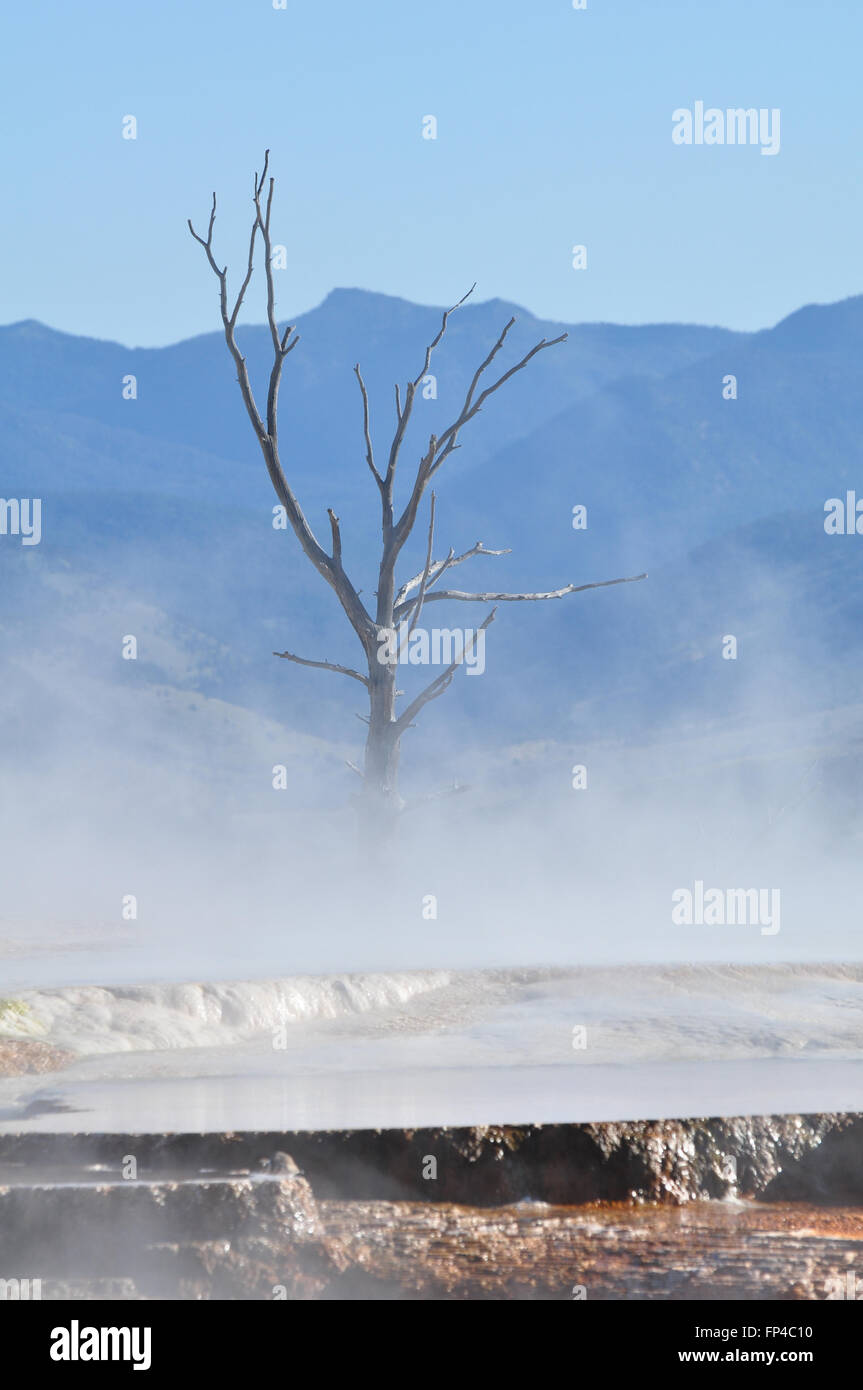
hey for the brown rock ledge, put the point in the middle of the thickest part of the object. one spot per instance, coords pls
(764, 1207)
(817, 1158)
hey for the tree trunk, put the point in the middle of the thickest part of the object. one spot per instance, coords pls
(381, 802)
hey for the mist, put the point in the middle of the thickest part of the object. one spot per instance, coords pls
(144, 786)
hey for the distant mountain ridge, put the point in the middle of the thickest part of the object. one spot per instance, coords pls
(186, 394)
(165, 497)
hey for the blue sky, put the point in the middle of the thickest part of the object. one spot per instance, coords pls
(554, 128)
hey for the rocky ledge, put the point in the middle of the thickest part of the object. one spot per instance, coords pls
(763, 1207)
(773, 1158)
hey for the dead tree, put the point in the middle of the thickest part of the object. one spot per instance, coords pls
(394, 605)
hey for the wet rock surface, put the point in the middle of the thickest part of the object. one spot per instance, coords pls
(226, 1237)
(705, 1252)
(785, 1157)
(757, 1207)
(274, 1242)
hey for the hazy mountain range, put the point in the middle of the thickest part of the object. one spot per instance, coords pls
(157, 519)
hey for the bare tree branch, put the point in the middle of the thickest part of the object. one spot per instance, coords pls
(458, 596)
(404, 412)
(280, 344)
(328, 566)
(438, 568)
(471, 407)
(440, 683)
(440, 447)
(370, 456)
(425, 578)
(323, 666)
(336, 534)
(229, 323)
